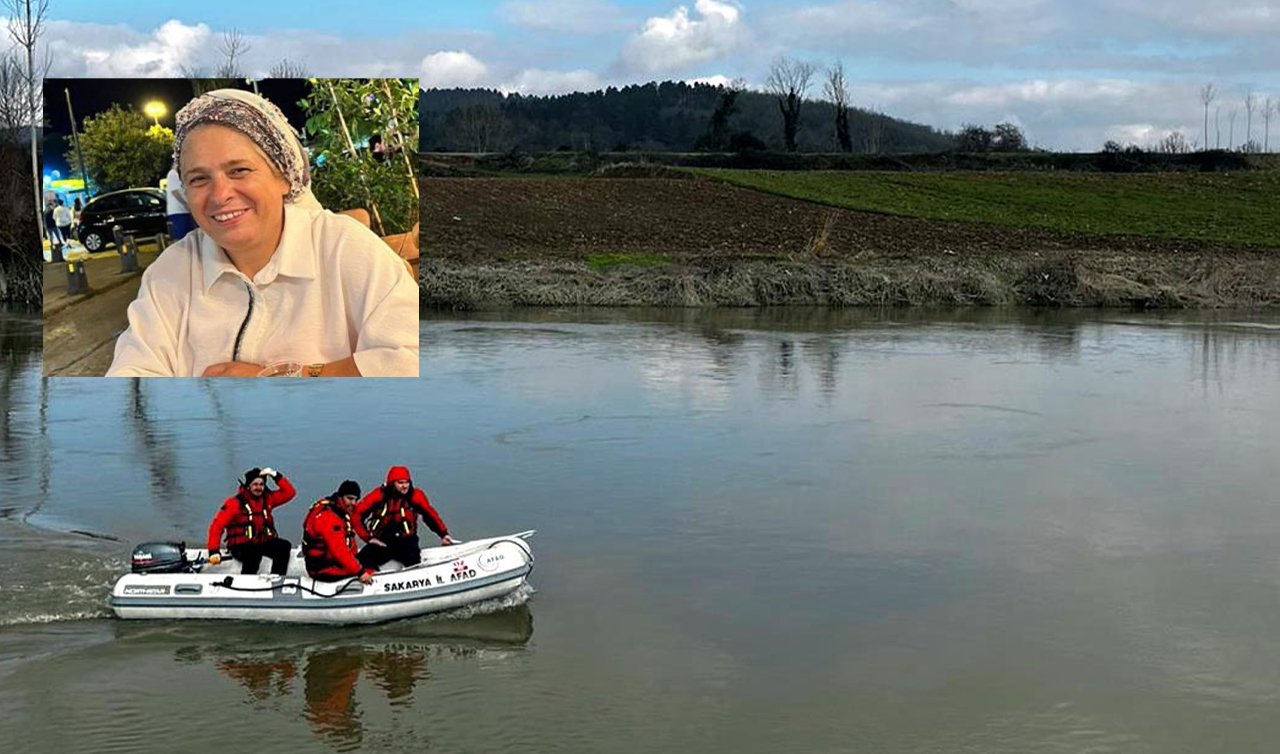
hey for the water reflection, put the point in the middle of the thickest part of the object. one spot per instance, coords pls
(156, 446)
(339, 672)
(20, 345)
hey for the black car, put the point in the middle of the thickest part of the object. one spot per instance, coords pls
(140, 211)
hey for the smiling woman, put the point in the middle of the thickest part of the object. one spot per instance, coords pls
(270, 276)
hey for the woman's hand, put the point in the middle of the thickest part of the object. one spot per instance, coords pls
(233, 369)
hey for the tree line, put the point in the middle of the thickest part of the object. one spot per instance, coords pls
(668, 116)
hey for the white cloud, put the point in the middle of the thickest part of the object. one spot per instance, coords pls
(916, 29)
(717, 80)
(173, 48)
(678, 41)
(453, 68)
(1068, 114)
(1238, 18)
(536, 81)
(575, 16)
(116, 51)
(1041, 92)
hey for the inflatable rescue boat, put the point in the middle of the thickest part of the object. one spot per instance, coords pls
(169, 582)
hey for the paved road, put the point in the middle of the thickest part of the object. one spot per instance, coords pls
(80, 331)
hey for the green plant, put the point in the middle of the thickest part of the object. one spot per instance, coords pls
(121, 149)
(343, 115)
(601, 262)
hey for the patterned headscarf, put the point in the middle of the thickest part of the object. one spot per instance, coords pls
(256, 118)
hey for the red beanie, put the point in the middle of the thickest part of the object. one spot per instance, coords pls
(396, 473)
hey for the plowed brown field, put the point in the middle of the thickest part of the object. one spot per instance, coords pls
(519, 227)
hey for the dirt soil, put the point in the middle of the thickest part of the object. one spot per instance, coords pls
(566, 218)
(701, 224)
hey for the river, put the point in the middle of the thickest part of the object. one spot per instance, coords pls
(758, 531)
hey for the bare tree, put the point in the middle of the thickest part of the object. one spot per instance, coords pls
(1231, 129)
(838, 92)
(1207, 95)
(26, 26)
(874, 137)
(1250, 104)
(482, 127)
(789, 81)
(287, 69)
(1217, 127)
(232, 47)
(1173, 143)
(1269, 109)
(13, 99)
(20, 272)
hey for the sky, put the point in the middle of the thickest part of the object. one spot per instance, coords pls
(1071, 73)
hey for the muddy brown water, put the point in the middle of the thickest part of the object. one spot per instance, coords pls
(797, 530)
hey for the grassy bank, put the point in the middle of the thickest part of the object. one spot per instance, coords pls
(1232, 208)
(951, 239)
(1055, 279)
(456, 165)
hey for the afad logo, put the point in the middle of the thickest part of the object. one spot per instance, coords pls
(490, 561)
(462, 571)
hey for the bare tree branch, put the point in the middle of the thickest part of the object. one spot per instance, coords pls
(1250, 104)
(788, 80)
(287, 69)
(232, 47)
(837, 91)
(26, 26)
(1207, 95)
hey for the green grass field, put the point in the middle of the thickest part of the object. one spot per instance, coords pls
(1231, 208)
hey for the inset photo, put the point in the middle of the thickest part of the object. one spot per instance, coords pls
(230, 227)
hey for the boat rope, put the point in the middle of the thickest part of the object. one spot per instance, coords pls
(226, 583)
(523, 546)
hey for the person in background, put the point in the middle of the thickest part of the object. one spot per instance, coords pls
(387, 518)
(246, 517)
(328, 538)
(62, 218)
(75, 216)
(179, 215)
(50, 226)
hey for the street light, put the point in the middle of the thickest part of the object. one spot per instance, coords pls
(154, 110)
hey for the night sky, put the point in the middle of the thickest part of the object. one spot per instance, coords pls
(92, 96)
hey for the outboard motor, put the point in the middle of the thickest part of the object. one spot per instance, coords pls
(161, 557)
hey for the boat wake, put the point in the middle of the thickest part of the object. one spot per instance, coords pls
(45, 580)
(487, 607)
(35, 619)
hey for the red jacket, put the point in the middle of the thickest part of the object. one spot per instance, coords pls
(381, 516)
(240, 511)
(328, 542)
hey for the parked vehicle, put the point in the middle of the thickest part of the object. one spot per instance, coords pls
(140, 211)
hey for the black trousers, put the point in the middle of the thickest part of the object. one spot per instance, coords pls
(250, 555)
(404, 549)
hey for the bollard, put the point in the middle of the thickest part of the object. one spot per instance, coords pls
(55, 253)
(129, 254)
(77, 279)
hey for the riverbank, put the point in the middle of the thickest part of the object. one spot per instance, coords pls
(692, 241)
(1052, 279)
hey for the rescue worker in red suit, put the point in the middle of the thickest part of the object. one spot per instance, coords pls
(246, 518)
(387, 518)
(329, 540)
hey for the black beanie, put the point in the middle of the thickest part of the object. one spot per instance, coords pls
(251, 475)
(348, 487)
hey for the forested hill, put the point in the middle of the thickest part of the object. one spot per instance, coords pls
(671, 116)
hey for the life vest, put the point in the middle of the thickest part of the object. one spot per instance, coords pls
(392, 517)
(314, 551)
(252, 523)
